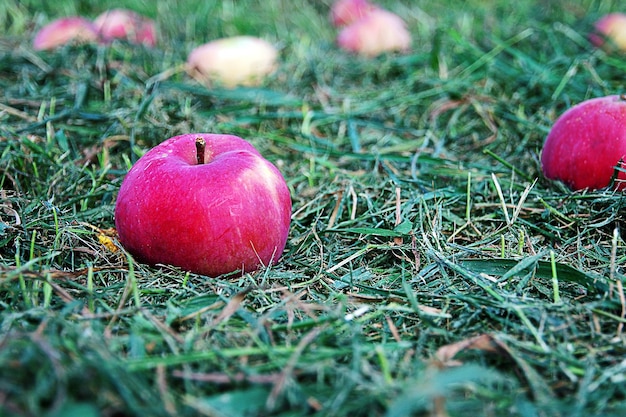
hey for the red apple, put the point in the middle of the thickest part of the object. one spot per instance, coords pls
(378, 32)
(65, 30)
(239, 60)
(207, 203)
(127, 25)
(586, 143)
(345, 12)
(610, 32)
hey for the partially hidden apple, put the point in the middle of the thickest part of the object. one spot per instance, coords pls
(345, 12)
(127, 25)
(610, 32)
(586, 143)
(63, 31)
(379, 31)
(207, 203)
(229, 62)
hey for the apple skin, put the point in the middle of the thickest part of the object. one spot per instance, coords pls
(126, 24)
(238, 60)
(231, 213)
(63, 31)
(611, 27)
(378, 32)
(586, 143)
(345, 12)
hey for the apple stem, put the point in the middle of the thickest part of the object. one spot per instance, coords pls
(200, 147)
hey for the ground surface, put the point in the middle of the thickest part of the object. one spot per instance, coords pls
(430, 270)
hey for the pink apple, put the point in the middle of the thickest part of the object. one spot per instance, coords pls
(610, 32)
(378, 32)
(211, 208)
(65, 30)
(345, 12)
(239, 60)
(586, 143)
(127, 25)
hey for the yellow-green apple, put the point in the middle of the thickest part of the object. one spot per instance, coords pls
(127, 25)
(65, 30)
(610, 32)
(345, 12)
(377, 32)
(586, 143)
(238, 60)
(207, 203)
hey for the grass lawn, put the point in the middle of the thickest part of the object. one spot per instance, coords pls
(430, 270)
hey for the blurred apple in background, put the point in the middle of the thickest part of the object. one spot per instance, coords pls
(63, 31)
(586, 143)
(239, 60)
(610, 32)
(345, 12)
(208, 203)
(127, 25)
(377, 32)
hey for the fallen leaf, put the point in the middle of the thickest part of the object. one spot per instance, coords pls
(107, 242)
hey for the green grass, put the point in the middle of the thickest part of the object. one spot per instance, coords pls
(430, 269)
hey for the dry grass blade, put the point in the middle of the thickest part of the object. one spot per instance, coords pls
(287, 372)
(231, 307)
(485, 342)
